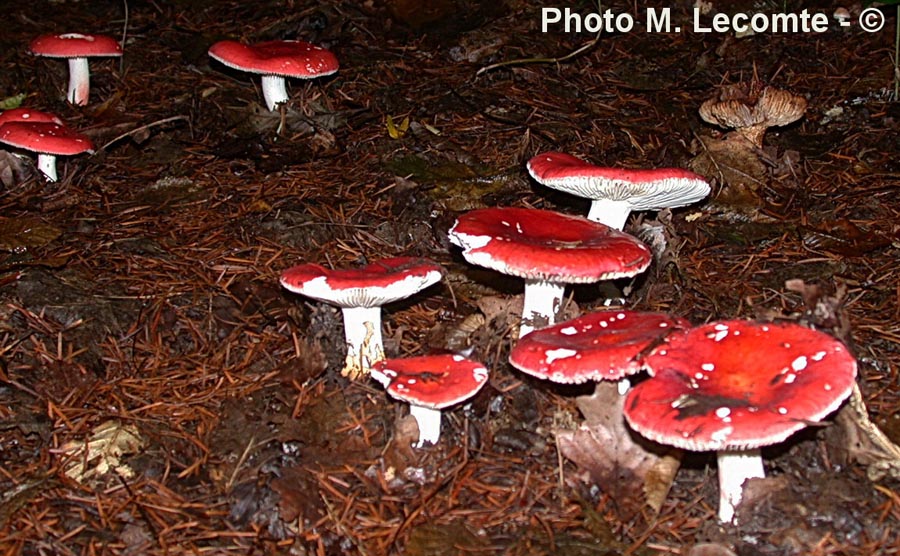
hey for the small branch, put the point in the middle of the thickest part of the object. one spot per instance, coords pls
(522, 61)
(143, 128)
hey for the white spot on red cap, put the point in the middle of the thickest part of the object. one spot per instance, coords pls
(799, 363)
(561, 353)
(818, 356)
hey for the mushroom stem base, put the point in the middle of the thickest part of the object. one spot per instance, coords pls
(274, 91)
(362, 330)
(542, 301)
(735, 467)
(429, 422)
(46, 163)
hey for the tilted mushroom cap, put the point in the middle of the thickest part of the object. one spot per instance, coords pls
(377, 284)
(738, 107)
(604, 345)
(298, 59)
(432, 381)
(547, 245)
(738, 385)
(360, 293)
(622, 190)
(781, 107)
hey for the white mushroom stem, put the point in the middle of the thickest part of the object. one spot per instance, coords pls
(542, 301)
(46, 163)
(735, 467)
(274, 91)
(609, 212)
(429, 422)
(79, 81)
(362, 330)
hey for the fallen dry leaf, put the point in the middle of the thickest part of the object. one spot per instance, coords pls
(618, 462)
(733, 162)
(101, 452)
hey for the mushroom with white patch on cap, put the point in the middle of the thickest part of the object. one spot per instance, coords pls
(616, 192)
(360, 293)
(76, 48)
(549, 250)
(429, 384)
(735, 386)
(44, 134)
(276, 60)
(604, 345)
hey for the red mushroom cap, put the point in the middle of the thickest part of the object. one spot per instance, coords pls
(433, 381)
(44, 137)
(598, 346)
(738, 385)
(28, 115)
(286, 58)
(374, 285)
(547, 245)
(75, 45)
(644, 189)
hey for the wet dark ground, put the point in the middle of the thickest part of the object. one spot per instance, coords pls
(140, 312)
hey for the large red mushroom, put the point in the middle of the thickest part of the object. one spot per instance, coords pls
(276, 60)
(548, 250)
(360, 293)
(735, 386)
(616, 192)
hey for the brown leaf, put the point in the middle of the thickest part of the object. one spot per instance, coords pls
(617, 460)
(733, 162)
(842, 237)
(12, 169)
(443, 540)
(21, 234)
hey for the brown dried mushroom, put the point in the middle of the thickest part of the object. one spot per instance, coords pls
(751, 109)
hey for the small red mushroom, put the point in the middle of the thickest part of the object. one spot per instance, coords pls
(276, 60)
(548, 250)
(735, 386)
(616, 192)
(360, 293)
(76, 48)
(44, 134)
(429, 384)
